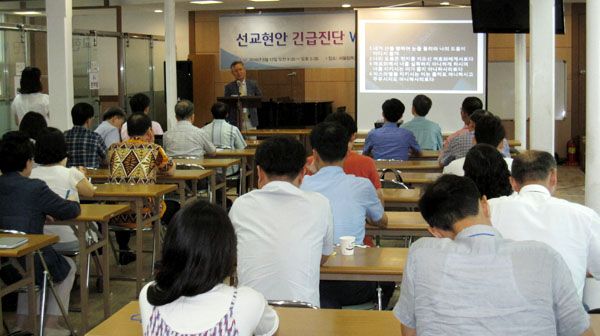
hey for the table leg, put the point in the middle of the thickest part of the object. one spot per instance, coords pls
(157, 230)
(83, 283)
(243, 185)
(251, 163)
(105, 270)
(224, 190)
(194, 190)
(213, 188)
(139, 248)
(181, 185)
(31, 294)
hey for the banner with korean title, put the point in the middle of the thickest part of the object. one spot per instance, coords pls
(288, 40)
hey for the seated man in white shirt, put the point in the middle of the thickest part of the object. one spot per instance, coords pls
(185, 139)
(284, 234)
(532, 213)
(488, 130)
(469, 280)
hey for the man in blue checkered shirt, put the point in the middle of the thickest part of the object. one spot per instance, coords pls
(85, 147)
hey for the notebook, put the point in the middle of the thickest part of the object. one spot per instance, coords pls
(12, 242)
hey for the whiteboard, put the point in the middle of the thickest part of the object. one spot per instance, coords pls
(501, 89)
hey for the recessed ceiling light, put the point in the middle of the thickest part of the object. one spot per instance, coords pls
(346, 5)
(250, 8)
(445, 3)
(158, 11)
(30, 13)
(206, 2)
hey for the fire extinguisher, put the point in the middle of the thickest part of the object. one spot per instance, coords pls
(571, 153)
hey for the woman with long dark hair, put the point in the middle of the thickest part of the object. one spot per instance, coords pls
(189, 296)
(30, 97)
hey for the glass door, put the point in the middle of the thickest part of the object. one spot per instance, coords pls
(86, 73)
(158, 78)
(12, 61)
(138, 70)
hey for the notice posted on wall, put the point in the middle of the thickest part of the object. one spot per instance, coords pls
(420, 56)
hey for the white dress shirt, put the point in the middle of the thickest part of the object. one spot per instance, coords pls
(185, 139)
(573, 230)
(282, 232)
(109, 133)
(456, 167)
(192, 315)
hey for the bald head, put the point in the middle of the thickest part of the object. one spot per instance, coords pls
(534, 167)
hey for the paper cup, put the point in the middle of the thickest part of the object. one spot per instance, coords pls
(347, 245)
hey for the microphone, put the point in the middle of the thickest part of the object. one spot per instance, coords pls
(293, 73)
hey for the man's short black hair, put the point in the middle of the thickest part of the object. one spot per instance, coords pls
(281, 156)
(449, 199)
(51, 147)
(234, 63)
(343, 119)
(478, 114)
(138, 124)
(113, 111)
(139, 102)
(81, 112)
(489, 130)
(184, 109)
(422, 105)
(470, 104)
(15, 150)
(219, 110)
(393, 109)
(532, 165)
(330, 140)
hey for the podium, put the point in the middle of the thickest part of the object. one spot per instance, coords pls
(235, 105)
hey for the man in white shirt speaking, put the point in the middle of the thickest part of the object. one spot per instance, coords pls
(532, 213)
(283, 233)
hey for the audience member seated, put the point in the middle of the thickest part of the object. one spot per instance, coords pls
(458, 147)
(284, 234)
(488, 169)
(391, 142)
(488, 130)
(185, 139)
(222, 134)
(354, 163)
(137, 161)
(85, 148)
(532, 213)
(427, 132)
(110, 128)
(475, 282)
(353, 201)
(188, 296)
(25, 204)
(468, 106)
(32, 125)
(30, 97)
(69, 183)
(140, 104)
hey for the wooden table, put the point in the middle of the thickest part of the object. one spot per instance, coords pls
(292, 321)
(394, 198)
(418, 179)
(301, 133)
(367, 264)
(35, 243)
(222, 164)
(421, 166)
(253, 143)
(179, 177)
(100, 213)
(137, 195)
(400, 224)
(247, 158)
